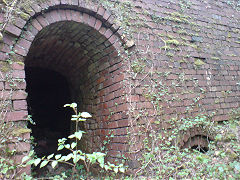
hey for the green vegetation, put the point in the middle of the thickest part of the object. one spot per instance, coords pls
(160, 137)
(75, 155)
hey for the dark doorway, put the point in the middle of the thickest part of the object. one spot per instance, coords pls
(48, 91)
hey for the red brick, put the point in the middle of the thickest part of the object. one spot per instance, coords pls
(13, 30)
(36, 24)
(20, 147)
(49, 18)
(1, 85)
(3, 56)
(18, 74)
(85, 18)
(119, 147)
(19, 94)
(17, 66)
(15, 85)
(123, 123)
(64, 1)
(91, 21)
(16, 116)
(69, 15)
(100, 11)
(77, 16)
(20, 51)
(62, 14)
(106, 15)
(119, 139)
(74, 2)
(108, 33)
(119, 78)
(55, 16)
(98, 24)
(20, 105)
(112, 125)
(113, 39)
(19, 22)
(42, 21)
(36, 8)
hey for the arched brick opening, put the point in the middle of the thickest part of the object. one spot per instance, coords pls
(198, 142)
(82, 46)
(196, 139)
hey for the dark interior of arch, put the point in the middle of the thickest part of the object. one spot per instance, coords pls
(48, 91)
(62, 66)
(198, 142)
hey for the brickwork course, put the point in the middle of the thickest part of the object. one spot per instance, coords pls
(161, 60)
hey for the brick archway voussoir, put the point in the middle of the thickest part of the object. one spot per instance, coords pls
(40, 22)
(39, 10)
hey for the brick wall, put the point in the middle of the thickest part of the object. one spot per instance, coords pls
(191, 55)
(185, 62)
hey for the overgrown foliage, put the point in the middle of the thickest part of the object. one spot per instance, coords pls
(156, 135)
(75, 156)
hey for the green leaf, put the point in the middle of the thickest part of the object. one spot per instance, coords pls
(62, 158)
(50, 156)
(115, 170)
(77, 158)
(86, 115)
(72, 136)
(69, 156)
(101, 161)
(67, 146)
(73, 105)
(30, 162)
(237, 166)
(54, 164)
(37, 161)
(78, 134)
(58, 156)
(122, 169)
(25, 159)
(73, 145)
(107, 167)
(31, 153)
(220, 169)
(60, 147)
(91, 158)
(44, 163)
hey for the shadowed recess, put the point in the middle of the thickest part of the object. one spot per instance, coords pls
(48, 91)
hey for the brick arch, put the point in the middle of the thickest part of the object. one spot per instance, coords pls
(195, 137)
(99, 55)
(40, 21)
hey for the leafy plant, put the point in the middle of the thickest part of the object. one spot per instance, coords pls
(75, 156)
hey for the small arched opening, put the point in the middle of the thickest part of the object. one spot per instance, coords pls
(198, 142)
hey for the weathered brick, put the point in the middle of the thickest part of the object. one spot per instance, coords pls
(18, 74)
(1, 85)
(20, 105)
(13, 30)
(20, 147)
(16, 116)
(19, 94)
(55, 16)
(36, 24)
